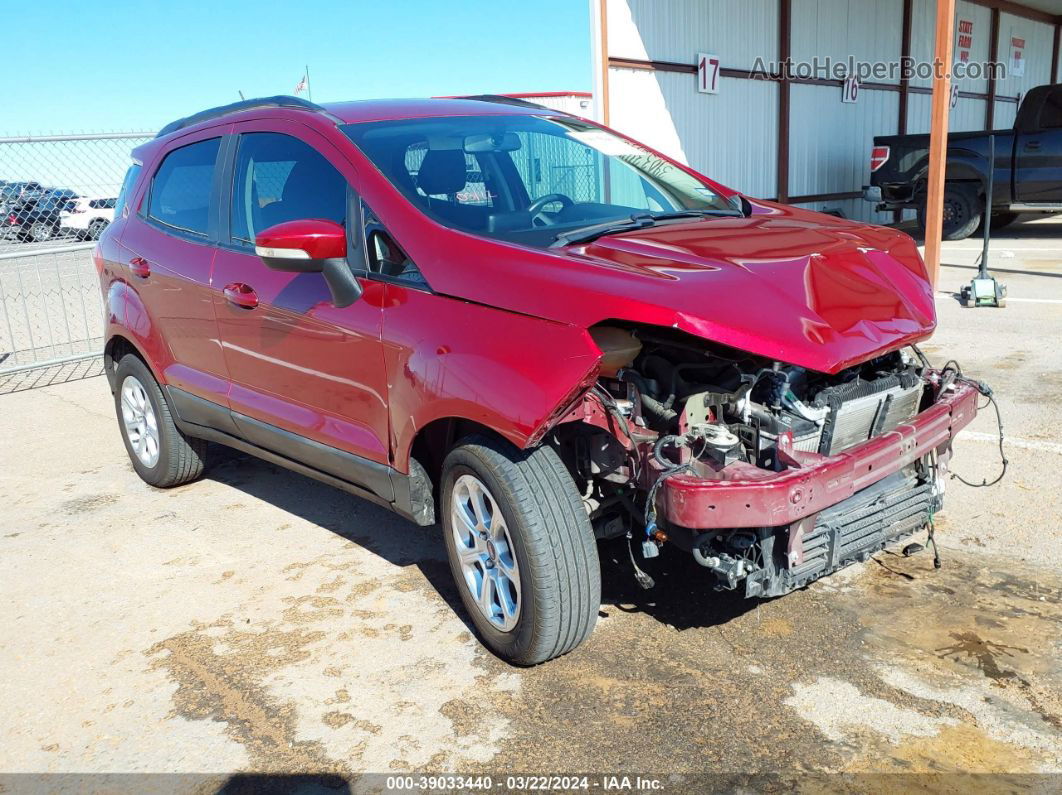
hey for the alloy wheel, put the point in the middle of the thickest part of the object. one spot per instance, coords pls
(485, 551)
(139, 421)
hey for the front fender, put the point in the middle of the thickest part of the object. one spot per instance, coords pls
(451, 359)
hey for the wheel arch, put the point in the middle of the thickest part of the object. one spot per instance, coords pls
(129, 321)
(962, 166)
(433, 441)
(117, 346)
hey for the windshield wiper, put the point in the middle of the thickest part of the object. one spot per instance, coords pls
(635, 221)
(698, 214)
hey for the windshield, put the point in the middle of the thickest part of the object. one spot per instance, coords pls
(529, 179)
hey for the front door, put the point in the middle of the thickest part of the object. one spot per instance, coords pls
(307, 379)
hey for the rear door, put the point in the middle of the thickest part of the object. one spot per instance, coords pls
(167, 252)
(307, 379)
(1038, 153)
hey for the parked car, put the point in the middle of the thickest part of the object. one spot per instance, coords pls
(13, 194)
(36, 219)
(87, 217)
(416, 302)
(18, 191)
(1028, 178)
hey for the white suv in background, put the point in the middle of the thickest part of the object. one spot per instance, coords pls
(88, 216)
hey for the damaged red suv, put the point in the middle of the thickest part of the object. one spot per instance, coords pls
(533, 329)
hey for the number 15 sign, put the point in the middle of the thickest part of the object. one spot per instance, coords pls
(707, 73)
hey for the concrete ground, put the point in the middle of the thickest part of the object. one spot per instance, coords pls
(259, 621)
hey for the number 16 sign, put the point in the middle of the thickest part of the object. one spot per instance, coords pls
(707, 73)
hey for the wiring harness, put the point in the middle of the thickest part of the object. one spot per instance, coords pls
(953, 367)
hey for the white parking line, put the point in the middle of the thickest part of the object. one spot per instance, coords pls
(942, 294)
(1003, 251)
(1010, 441)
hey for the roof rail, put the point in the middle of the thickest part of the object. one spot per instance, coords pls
(501, 99)
(280, 101)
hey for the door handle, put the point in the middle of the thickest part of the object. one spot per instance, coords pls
(140, 267)
(1032, 146)
(241, 294)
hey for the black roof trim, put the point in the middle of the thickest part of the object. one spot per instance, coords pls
(280, 101)
(501, 99)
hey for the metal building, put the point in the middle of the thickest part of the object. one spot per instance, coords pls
(578, 103)
(702, 80)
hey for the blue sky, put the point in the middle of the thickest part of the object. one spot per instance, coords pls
(124, 65)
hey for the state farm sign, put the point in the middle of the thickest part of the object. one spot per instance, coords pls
(964, 42)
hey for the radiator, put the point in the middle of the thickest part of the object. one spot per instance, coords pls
(866, 413)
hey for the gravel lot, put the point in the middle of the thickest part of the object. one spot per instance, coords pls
(259, 621)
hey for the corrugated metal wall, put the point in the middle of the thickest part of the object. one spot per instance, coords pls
(674, 30)
(968, 113)
(576, 104)
(871, 30)
(733, 136)
(1039, 41)
(923, 34)
(1006, 112)
(829, 148)
(828, 139)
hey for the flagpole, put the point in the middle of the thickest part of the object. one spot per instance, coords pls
(309, 89)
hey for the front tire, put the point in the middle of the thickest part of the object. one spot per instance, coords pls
(161, 455)
(521, 549)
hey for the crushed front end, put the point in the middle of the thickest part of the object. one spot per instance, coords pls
(770, 475)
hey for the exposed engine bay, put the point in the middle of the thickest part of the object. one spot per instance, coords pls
(669, 407)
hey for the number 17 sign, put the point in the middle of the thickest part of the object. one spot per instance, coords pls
(707, 73)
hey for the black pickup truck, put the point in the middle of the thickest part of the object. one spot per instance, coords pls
(1028, 176)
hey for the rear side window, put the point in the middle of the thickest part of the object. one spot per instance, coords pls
(1051, 113)
(180, 191)
(127, 187)
(279, 178)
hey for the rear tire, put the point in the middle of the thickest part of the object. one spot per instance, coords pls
(161, 455)
(962, 212)
(95, 229)
(531, 524)
(41, 232)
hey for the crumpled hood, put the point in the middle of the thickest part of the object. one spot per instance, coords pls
(788, 284)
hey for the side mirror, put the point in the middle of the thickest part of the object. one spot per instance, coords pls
(311, 246)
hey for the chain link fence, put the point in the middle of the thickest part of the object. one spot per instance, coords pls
(57, 194)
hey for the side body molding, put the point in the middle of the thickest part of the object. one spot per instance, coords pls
(370, 480)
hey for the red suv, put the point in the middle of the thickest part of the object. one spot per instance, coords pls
(534, 329)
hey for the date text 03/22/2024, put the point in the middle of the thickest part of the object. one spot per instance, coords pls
(549, 783)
